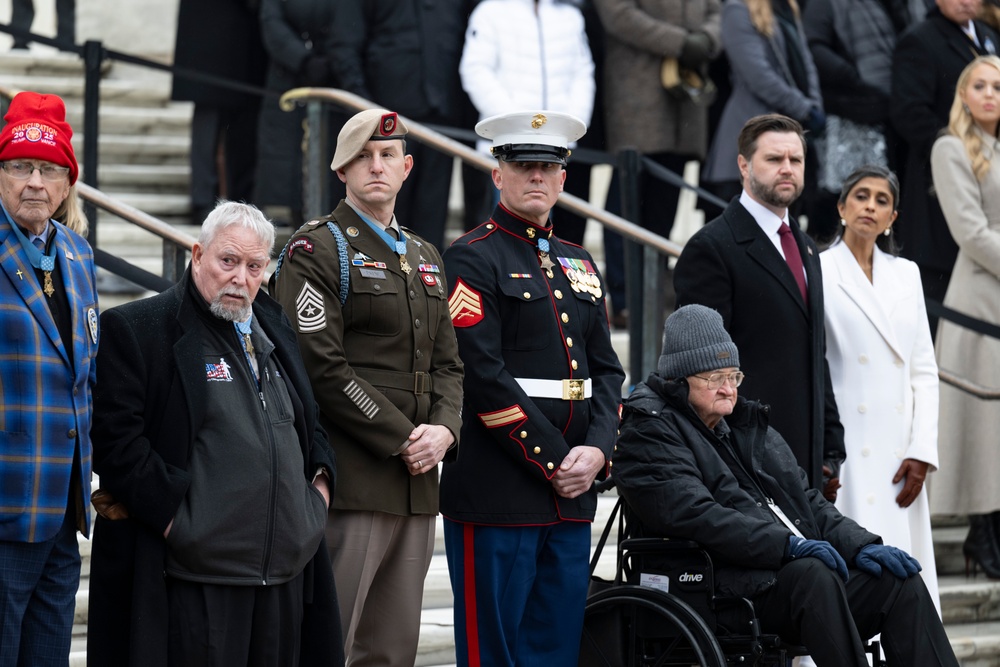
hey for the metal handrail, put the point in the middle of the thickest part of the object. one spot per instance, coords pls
(133, 215)
(477, 159)
(977, 390)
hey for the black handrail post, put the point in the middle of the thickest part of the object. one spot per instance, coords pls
(174, 261)
(316, 165)
(630, 169)
(93, 55)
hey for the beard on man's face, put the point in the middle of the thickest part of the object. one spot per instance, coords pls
(231, 312)
(770, 195)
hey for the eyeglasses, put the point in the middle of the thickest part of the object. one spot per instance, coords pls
(716, 380)
(22, 171)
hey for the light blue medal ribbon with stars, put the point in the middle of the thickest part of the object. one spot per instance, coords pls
(37, 259)
(244, 329)
(543, 255)
(399, 247)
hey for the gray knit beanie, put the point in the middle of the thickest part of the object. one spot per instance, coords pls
(695, 341)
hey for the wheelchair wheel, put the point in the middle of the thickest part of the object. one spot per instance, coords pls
(635, 626)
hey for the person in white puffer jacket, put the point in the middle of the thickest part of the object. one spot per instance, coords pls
(527, 54)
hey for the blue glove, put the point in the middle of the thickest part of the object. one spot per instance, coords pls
(799, 547)
(874, 557)
(815, 122)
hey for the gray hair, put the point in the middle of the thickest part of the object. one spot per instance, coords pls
(229, 213)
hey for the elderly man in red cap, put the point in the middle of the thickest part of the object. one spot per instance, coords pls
(48, 316)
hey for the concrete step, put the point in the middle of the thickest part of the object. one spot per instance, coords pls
(976, 645)
(39, 64)
(173, 119)
(142, 149)
(948, 549)
(120, 91)
(969, 600)
(149, 178)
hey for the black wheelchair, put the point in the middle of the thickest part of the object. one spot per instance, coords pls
(661, 611)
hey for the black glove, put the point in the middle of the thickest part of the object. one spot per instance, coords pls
(696, 51)
(815, 122)
(874, 557)
(799, 547)
(315, 71)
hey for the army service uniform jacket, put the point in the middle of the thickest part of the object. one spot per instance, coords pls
(381, 363)
(527, 335)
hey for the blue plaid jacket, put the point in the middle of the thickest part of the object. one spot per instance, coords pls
(45, 402)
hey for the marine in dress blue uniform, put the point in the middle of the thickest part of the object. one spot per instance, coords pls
(540, 413)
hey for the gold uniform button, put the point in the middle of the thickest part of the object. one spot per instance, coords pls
(550, 465)
(610, 463)
(558, 294)
(565, 318)
(524, 434)
(527, 295)
(530, 232)
(569, 342)
(538, 450)
(575, 365)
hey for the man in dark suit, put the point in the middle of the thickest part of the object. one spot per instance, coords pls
(762, 273)
(925, 68)
(215, 472)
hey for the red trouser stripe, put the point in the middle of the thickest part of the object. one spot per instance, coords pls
(471, 620)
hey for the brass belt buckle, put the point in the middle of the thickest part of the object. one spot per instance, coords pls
(420, 383)
(572, 390)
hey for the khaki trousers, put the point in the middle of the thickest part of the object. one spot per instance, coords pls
(379, 564)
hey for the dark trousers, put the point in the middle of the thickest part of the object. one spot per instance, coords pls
(38, 583)
(812, 606)
(236, 131)
(422, 202)
(256, 626)
(22, 15)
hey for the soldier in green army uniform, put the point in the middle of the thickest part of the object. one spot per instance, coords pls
(369, 301)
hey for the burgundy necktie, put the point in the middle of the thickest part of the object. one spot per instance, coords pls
(791, 250)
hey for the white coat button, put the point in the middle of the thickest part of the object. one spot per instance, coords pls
(899, 408)
(871, 499)
(899, 363)
(863, 359)
(899, 454)
(862, 408)
(866, 451)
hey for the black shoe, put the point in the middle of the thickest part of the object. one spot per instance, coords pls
(980, 546)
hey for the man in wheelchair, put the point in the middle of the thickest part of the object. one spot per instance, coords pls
(696, 462)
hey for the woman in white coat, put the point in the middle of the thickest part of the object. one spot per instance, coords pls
(882, 367)
(967, 179)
